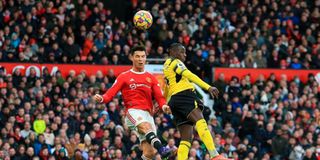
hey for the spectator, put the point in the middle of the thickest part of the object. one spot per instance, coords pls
(295, 63)
(99, 42)
(39, 125)
(87, 46)
(71, 50)
(104, 119)
(26, 131)
(260, 61)
(280, 145)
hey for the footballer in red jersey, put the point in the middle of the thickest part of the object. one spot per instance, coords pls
(138, 89)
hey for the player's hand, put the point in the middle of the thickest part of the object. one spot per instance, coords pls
(166, 109)
(98, 98)
(214, 92)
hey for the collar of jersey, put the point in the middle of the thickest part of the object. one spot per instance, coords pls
(137, 72)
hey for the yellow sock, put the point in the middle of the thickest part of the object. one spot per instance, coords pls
(206, 137)
(183, 150)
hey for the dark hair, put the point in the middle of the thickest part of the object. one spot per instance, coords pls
(137, 48)
(175, 47)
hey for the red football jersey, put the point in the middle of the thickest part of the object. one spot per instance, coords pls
(138, 90)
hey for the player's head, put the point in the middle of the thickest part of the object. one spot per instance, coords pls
(177, 50)
(138, 57)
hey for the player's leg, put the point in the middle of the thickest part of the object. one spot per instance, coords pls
(186, 131)
(148, 152)
(196, 117)
(145, 126)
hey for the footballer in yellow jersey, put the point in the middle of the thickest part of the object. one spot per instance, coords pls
(178, 77)
(185, 106)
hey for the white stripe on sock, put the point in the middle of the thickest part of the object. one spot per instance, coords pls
(155, 140)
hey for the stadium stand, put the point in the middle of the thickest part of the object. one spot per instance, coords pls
(54, 117)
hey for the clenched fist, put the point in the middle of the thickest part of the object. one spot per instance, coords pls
(98, 98)
(214, 92)
(166, 109)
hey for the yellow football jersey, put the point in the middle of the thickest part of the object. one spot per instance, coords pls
(178, 77)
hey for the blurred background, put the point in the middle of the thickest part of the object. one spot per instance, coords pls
(263, 56)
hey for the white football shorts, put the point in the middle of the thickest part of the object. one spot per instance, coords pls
(135, 117)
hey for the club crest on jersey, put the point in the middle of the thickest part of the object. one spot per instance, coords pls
(133, 86)
(181, 66)
(148, 79)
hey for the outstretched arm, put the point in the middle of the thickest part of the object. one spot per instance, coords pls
(195, 79)
(105, 98)
(182, 70)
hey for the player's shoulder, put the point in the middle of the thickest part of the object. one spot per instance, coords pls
(123, 74)
(171, 61)
(167, 61)
(178, 61)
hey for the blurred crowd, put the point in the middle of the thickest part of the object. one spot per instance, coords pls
(54, 117)
(223, 33)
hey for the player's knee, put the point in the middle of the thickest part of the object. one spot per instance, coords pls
(144, 127)
(195, 115)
